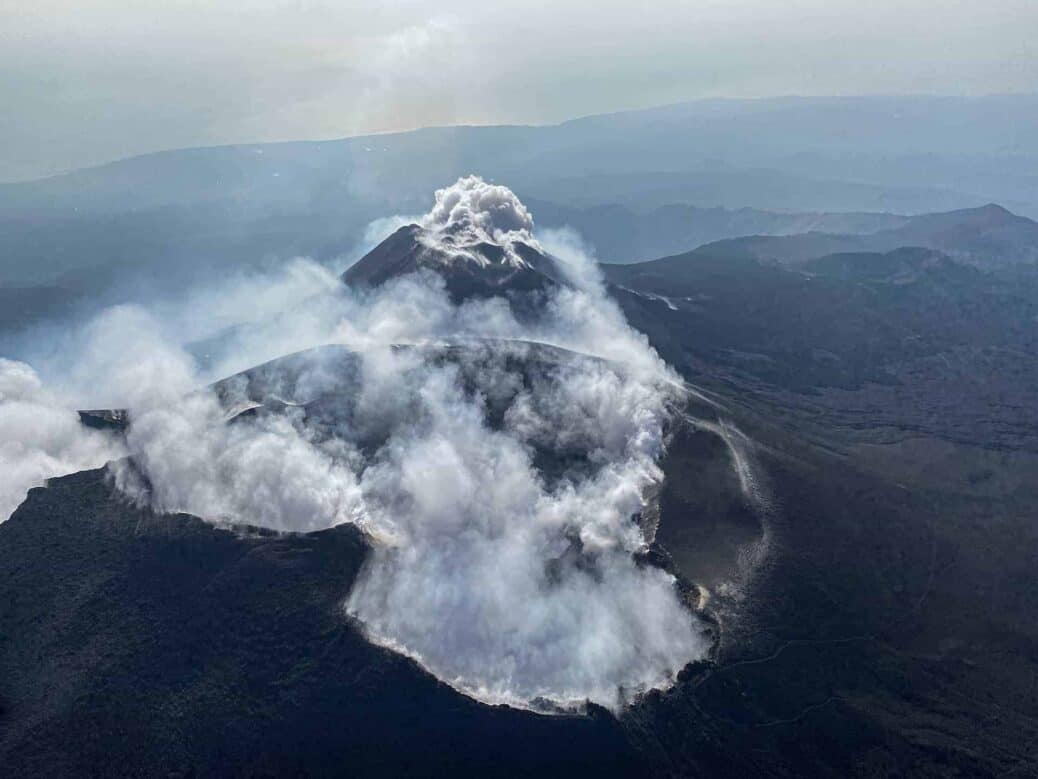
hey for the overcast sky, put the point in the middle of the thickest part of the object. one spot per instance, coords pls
(85, 81)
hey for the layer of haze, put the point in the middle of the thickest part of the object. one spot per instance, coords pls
(83, 83)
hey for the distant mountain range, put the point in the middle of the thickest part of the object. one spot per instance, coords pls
(56, 269)
(636, 185)
(825, 175)
(620, 233)
(930, 330)
(989, 237)
(909, 154)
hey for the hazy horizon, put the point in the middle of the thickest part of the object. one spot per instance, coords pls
(246, 142)
(87, 85)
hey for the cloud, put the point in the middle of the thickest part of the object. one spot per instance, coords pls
(471, 212)
(480, 211)
(509, 586)
(41, 436)
(270, 472)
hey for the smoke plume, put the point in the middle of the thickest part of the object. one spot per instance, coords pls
(472, 212)
(499, 467)
(41, 436)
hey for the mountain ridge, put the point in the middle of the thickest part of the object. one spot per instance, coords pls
(790, 136)
(988, 236)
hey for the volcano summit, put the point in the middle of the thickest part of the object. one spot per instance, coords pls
(478, 238)
(503, 464)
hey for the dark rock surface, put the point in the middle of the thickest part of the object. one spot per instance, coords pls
(852, 488)
(873, 607)
(910, 339)
(479, 270)
(140, 645)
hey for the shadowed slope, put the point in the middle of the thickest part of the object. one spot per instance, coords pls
(137, 644)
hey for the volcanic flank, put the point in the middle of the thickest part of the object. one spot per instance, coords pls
(480, 269)
(503, 464)
(478, 239)
(461, 479)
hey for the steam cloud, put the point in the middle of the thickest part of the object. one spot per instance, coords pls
(40, 436)
(508, 587)
(501, 487)
(473, 212)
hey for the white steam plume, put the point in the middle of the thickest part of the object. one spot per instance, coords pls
(500, 487)
(471, 212)
(510, 588)
(41, 436)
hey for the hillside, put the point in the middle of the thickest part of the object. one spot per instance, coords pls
(989, 237)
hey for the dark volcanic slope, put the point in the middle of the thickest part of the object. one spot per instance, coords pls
(476, 270)
(133, 644)
(890, 628)
(909, 338)
(858, 500)
(888, 401)
(891, 631)
(874, 602)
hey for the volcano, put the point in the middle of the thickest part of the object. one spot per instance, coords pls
(469, 269)
(458, 545)
(243, 625)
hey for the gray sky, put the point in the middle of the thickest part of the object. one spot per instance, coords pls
(87, 81)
